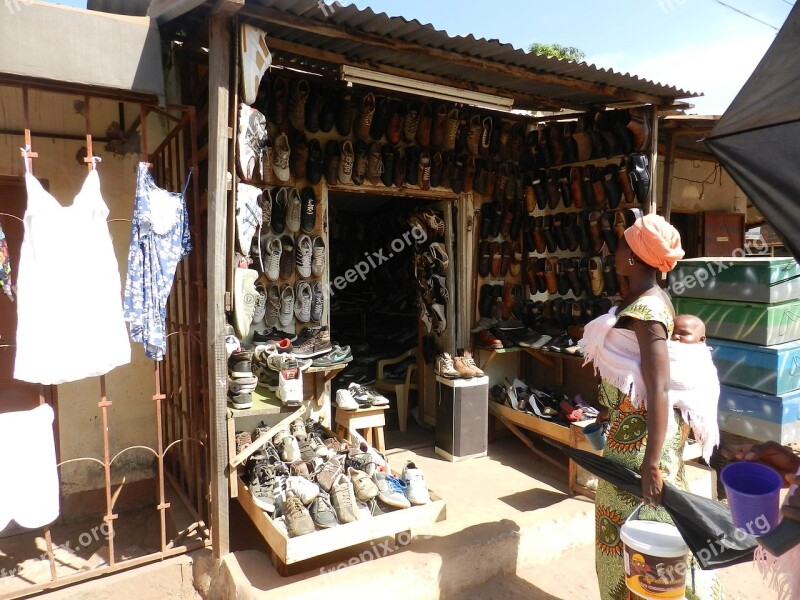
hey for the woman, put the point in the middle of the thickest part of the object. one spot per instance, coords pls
(629, 349)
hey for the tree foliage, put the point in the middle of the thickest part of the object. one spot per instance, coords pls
(557, 51)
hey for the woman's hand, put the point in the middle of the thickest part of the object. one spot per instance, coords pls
(602, 415)
(771, 454)
(652, 485)
(791, 508)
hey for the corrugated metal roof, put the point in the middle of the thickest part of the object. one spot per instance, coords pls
(420, 48)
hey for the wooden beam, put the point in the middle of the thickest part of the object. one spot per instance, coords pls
(219, 82)
(363, 38)
(530, 100)
(227, 8)
(666, 188)
(653, 197)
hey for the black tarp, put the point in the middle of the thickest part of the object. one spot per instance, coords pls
(757, 140)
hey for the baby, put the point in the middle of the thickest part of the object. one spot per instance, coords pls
(694, 385)
(689, 329)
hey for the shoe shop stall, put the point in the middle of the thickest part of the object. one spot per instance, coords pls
(105, 457)
(398, 220)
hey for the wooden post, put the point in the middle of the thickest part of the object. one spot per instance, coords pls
(666, 187)
(218, 96)
(653, 199)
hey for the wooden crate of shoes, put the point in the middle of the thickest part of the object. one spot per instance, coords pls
(311, 494)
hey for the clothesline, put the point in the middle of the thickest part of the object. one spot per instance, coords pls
(2, 214)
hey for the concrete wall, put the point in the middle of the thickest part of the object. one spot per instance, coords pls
(129, 388)
(720, 193)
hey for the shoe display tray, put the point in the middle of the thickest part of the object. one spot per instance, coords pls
(749, 279)
(548, 429)
(287, 552)
(769, 369)
(748, 322)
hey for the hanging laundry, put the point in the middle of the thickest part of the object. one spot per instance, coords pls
(69, 305)
(159, 240)
(5, 266)
(28, 472)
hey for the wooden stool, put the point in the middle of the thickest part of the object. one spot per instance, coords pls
(370, 420)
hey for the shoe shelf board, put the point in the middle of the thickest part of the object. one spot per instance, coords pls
(287, 551)
(553, 360)
(493, 352)
(515, 421)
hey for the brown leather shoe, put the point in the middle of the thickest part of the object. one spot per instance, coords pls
(628, 195)
(299, 156)
(332, 153)
(506, 252)
(491, 176)
(583, 272)
(583, 140)
(538, 235)
(437, 127)
(508, 300)
(541, 281)
(474, 134)
(561, 276)
(411, 122)
(558, 231)
(547, 233)
(504, 147)
(551, 268)
(487, 133)
(586, 183)
(619, 224)
(470, 167)
(365, 117)
(497, 258)
(529, 193)
(451, 126)
(424, 126)
(517, 143)
(582, 231)
(639, 126)
(595, 235)
(485, 259)
(557, 144)
(576, 187)
(345, 113)
(500, 182)
(436, 169)
(596, 275)
(516, 259)
(574, 276)
(394, 130)
(508, 218)
(529, 272)
(553, 195)
(598, 189)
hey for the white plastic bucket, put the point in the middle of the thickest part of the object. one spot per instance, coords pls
(655, 559)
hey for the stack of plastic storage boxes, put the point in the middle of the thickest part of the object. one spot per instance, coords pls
(751, 308)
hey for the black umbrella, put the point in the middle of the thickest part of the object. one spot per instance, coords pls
(704, 524)
(758, 138)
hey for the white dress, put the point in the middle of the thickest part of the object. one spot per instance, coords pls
(69, 303)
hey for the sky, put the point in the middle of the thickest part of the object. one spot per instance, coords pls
(695, 45)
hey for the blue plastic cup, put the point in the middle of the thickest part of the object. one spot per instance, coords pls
(596, 434)
(754, 492)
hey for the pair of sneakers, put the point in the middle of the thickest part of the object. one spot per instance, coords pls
(241, 381)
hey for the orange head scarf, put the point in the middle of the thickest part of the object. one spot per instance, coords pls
(655, 241)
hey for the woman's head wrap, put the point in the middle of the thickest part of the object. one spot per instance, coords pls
(655, 241)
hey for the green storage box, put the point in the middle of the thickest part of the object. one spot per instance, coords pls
(747, 322)
(745, 279)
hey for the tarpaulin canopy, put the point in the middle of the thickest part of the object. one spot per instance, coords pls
(757, 140)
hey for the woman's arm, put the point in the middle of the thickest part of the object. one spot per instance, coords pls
(652, 337)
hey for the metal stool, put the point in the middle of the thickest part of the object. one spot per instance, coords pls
(371, 420)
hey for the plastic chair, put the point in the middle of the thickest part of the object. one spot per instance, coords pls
(399, 387)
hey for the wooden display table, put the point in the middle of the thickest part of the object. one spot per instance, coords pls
(371, 420)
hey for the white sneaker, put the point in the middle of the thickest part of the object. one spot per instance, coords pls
(346, 163)
(304, 489)
(318, 257)
(302, 304)
(345, 401)
(417, 490)
(280, 161)
(290, 383)
(293, 211)
(251, 142)
(232, 343)
(256, 59)
(248, 214)
(302, 256)
(318, 302)
(286, 315)
(244, 300)
(261, 303)
(273, 251)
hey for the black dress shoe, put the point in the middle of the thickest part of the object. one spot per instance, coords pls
(583, 272)
(314, 106)
(387, 156)
(558, 231)
(547, 233)
(457, 178)
(539, 189)
(345, 113)
(497, 218)
(314, 162)
(639, 175)
(611, 183)
(570, 145)
(541, 282)
(487, 215)
(574, 276)
(564, 187)
(516, 219)
(563, 279)
(582, 228)
(607, 232)
(553, 193)
(327, 115)
(380, 119)
(527, 233)
(570, 231)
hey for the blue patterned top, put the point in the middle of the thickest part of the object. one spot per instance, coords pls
(159, 240)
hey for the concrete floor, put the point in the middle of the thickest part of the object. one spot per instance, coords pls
(511, 531)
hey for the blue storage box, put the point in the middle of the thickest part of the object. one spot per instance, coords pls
(749, 322)
(745, 279)
(769, 369)
(759, 416)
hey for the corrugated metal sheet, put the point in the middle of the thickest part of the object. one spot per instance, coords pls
(426, 36)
